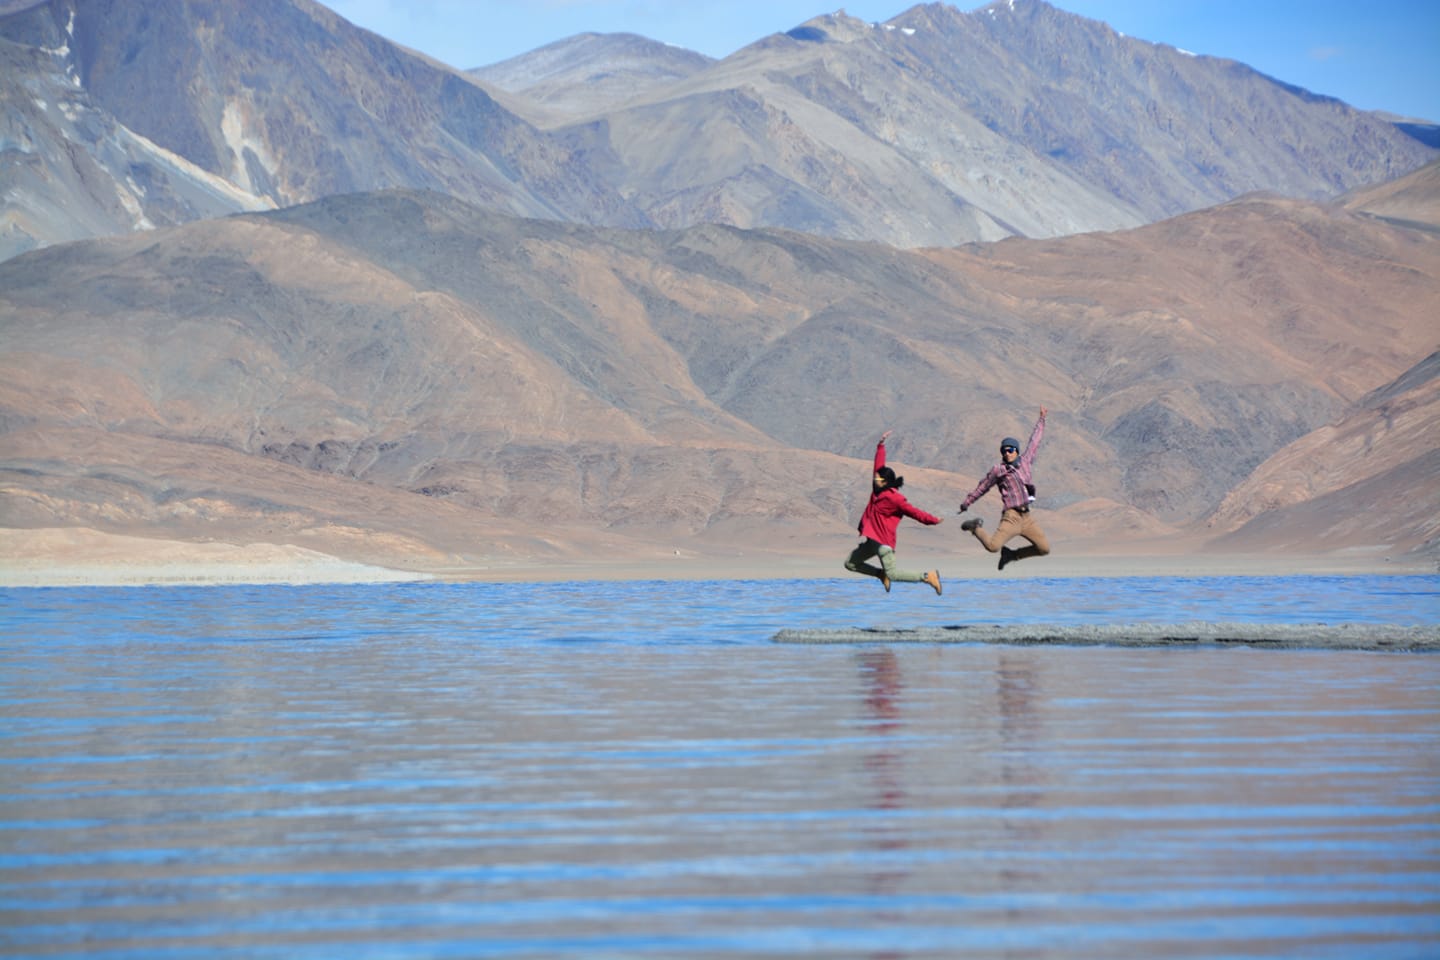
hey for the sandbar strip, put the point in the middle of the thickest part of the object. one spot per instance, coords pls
(1278, 636)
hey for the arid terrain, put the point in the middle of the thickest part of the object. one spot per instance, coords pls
(470, 394)
(288, 319)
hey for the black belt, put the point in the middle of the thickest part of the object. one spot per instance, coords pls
(1021, 509)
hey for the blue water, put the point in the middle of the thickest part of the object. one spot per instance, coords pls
(584, 770)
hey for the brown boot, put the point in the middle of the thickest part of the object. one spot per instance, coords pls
(933, 578)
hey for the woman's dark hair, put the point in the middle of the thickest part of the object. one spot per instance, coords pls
(892, 481)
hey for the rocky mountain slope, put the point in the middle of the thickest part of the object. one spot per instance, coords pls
(402, 375)
(70, 170)
(286, 102)
(936, 128)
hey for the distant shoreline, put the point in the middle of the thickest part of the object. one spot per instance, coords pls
(79, 558)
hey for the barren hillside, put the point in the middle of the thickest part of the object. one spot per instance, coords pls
(403, 373)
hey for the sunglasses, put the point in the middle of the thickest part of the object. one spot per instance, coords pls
(1009, 450)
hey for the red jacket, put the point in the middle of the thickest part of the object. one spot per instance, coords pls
(883, 512)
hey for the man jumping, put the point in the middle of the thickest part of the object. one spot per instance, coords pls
(1017, 492)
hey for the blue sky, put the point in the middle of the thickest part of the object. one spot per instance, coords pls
(1375, 55)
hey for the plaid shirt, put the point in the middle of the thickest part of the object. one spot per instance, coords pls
(1012, 478)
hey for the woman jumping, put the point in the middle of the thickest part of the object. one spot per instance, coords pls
(878, 524)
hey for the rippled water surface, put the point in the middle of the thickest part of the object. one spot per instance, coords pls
(635, 770)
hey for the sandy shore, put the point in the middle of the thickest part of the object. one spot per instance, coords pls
(80, 557)
(83, 557)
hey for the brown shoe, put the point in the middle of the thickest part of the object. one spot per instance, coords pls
(933, 578)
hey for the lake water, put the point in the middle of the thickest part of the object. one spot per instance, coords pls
(614, 770)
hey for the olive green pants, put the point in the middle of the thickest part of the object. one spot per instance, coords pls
(870, 548)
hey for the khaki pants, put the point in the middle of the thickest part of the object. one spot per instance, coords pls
(869, 548)
(1013, 523)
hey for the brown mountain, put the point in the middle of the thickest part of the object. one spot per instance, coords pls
(1412, 200)
(1369, 477)
(403, 376)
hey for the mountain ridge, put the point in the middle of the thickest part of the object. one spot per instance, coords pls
(585, 74)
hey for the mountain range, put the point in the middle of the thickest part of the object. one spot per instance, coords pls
(333, 373)
(936, 128)
(274, 279)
